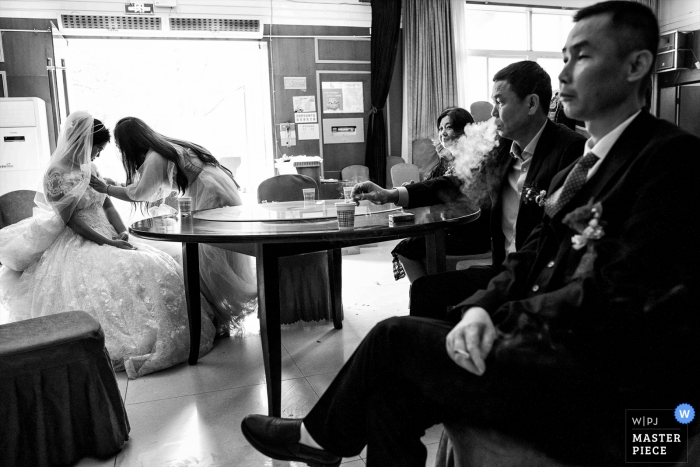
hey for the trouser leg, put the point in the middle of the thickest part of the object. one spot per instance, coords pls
(431, 295)
(399, 382)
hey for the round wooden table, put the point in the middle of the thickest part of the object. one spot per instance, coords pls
(271, 230)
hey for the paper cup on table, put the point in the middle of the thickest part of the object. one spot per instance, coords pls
(309, 196)
(184, 204)
(346, 215)
(347, 193)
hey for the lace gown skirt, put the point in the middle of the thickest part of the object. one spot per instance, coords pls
(227, 278)
(137, 295)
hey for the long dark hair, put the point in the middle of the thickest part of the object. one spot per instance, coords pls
(460, 118)
(134, 139)
(100, 133)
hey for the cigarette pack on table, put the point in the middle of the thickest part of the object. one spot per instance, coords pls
(401, 218)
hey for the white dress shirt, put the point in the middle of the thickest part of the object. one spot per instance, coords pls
(512, 191)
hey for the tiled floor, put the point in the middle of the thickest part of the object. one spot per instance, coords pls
(190, 415)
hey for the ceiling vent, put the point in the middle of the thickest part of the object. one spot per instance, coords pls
(246, 26)
(111, 23)
(163, 26)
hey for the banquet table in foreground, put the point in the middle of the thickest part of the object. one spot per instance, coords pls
(270, 231)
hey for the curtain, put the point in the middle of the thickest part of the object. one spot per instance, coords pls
(386, 22)
(430, 72)
(459, 31)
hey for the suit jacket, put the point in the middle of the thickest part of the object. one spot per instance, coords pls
(557, 148)
(630, 319)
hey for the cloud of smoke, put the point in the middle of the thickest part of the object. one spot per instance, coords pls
(471, 154)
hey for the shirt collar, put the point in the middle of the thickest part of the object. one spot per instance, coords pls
(604, 144)
(525, 154)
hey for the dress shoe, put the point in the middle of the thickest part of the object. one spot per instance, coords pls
(279, 439)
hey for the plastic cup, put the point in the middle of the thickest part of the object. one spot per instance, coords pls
(309, 196)
(346, 215)
(347, 193)
(184, 205)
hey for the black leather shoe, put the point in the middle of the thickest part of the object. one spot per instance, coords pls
(279, 439)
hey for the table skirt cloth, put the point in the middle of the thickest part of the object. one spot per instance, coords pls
(60, 400)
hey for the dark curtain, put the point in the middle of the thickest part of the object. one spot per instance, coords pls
(386, 19)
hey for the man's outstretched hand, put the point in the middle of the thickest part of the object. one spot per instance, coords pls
(471, 340)
(374, 193)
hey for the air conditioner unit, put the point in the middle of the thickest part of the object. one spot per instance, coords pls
(24, 143)
(674, 60)
(160, 26)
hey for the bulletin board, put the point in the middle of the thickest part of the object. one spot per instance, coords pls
(342, 138)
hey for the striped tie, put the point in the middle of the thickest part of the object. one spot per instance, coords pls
(573, 183)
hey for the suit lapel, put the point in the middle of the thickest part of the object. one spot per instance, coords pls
(542, 150)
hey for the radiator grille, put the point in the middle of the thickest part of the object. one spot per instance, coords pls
(215, 24)
(123, 23)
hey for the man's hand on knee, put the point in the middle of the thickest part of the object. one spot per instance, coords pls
(471, 340)
(374, 193)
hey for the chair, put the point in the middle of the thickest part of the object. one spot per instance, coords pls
(60, 399)
(404, 173)
(305, 280)
(15, 206)
(285, 188)
(355, 173)
(390, 162)
(481, 111)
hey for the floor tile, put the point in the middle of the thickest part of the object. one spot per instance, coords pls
(122, 383)
(320, 383)
(233, 362)
(203, 426)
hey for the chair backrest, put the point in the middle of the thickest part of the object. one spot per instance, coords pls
(355, 173)
(481, 111)
(390, 162)
(15, 206)
(285, 188)
(404, 173)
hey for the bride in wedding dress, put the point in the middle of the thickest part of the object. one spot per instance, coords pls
(74, 254)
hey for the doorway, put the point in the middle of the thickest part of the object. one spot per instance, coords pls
(212, 92)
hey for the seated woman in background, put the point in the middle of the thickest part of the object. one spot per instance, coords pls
(156, 166)
(74, 254)
(473, 238)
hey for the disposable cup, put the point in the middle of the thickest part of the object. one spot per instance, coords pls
(184, 205)
(346, 215)
(309, 196)
(347, 193)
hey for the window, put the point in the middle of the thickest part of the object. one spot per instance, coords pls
(498, 36)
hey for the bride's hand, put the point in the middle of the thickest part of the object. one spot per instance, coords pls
(122, 244)
(98, 184)
(122, 236)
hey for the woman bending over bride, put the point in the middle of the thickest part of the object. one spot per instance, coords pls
(74, 253)
(156, 166)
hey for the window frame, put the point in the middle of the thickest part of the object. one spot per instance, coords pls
(528, 53)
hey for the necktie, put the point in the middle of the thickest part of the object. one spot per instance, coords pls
(573, 183)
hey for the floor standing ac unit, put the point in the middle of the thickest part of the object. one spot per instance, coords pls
(24, 143)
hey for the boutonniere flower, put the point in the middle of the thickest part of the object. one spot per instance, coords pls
(586, 220)
(531, 195)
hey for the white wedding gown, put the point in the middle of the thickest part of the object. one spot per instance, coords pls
(137, 295)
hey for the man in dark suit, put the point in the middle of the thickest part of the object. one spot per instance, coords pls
(532, 149)
(578, 326)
